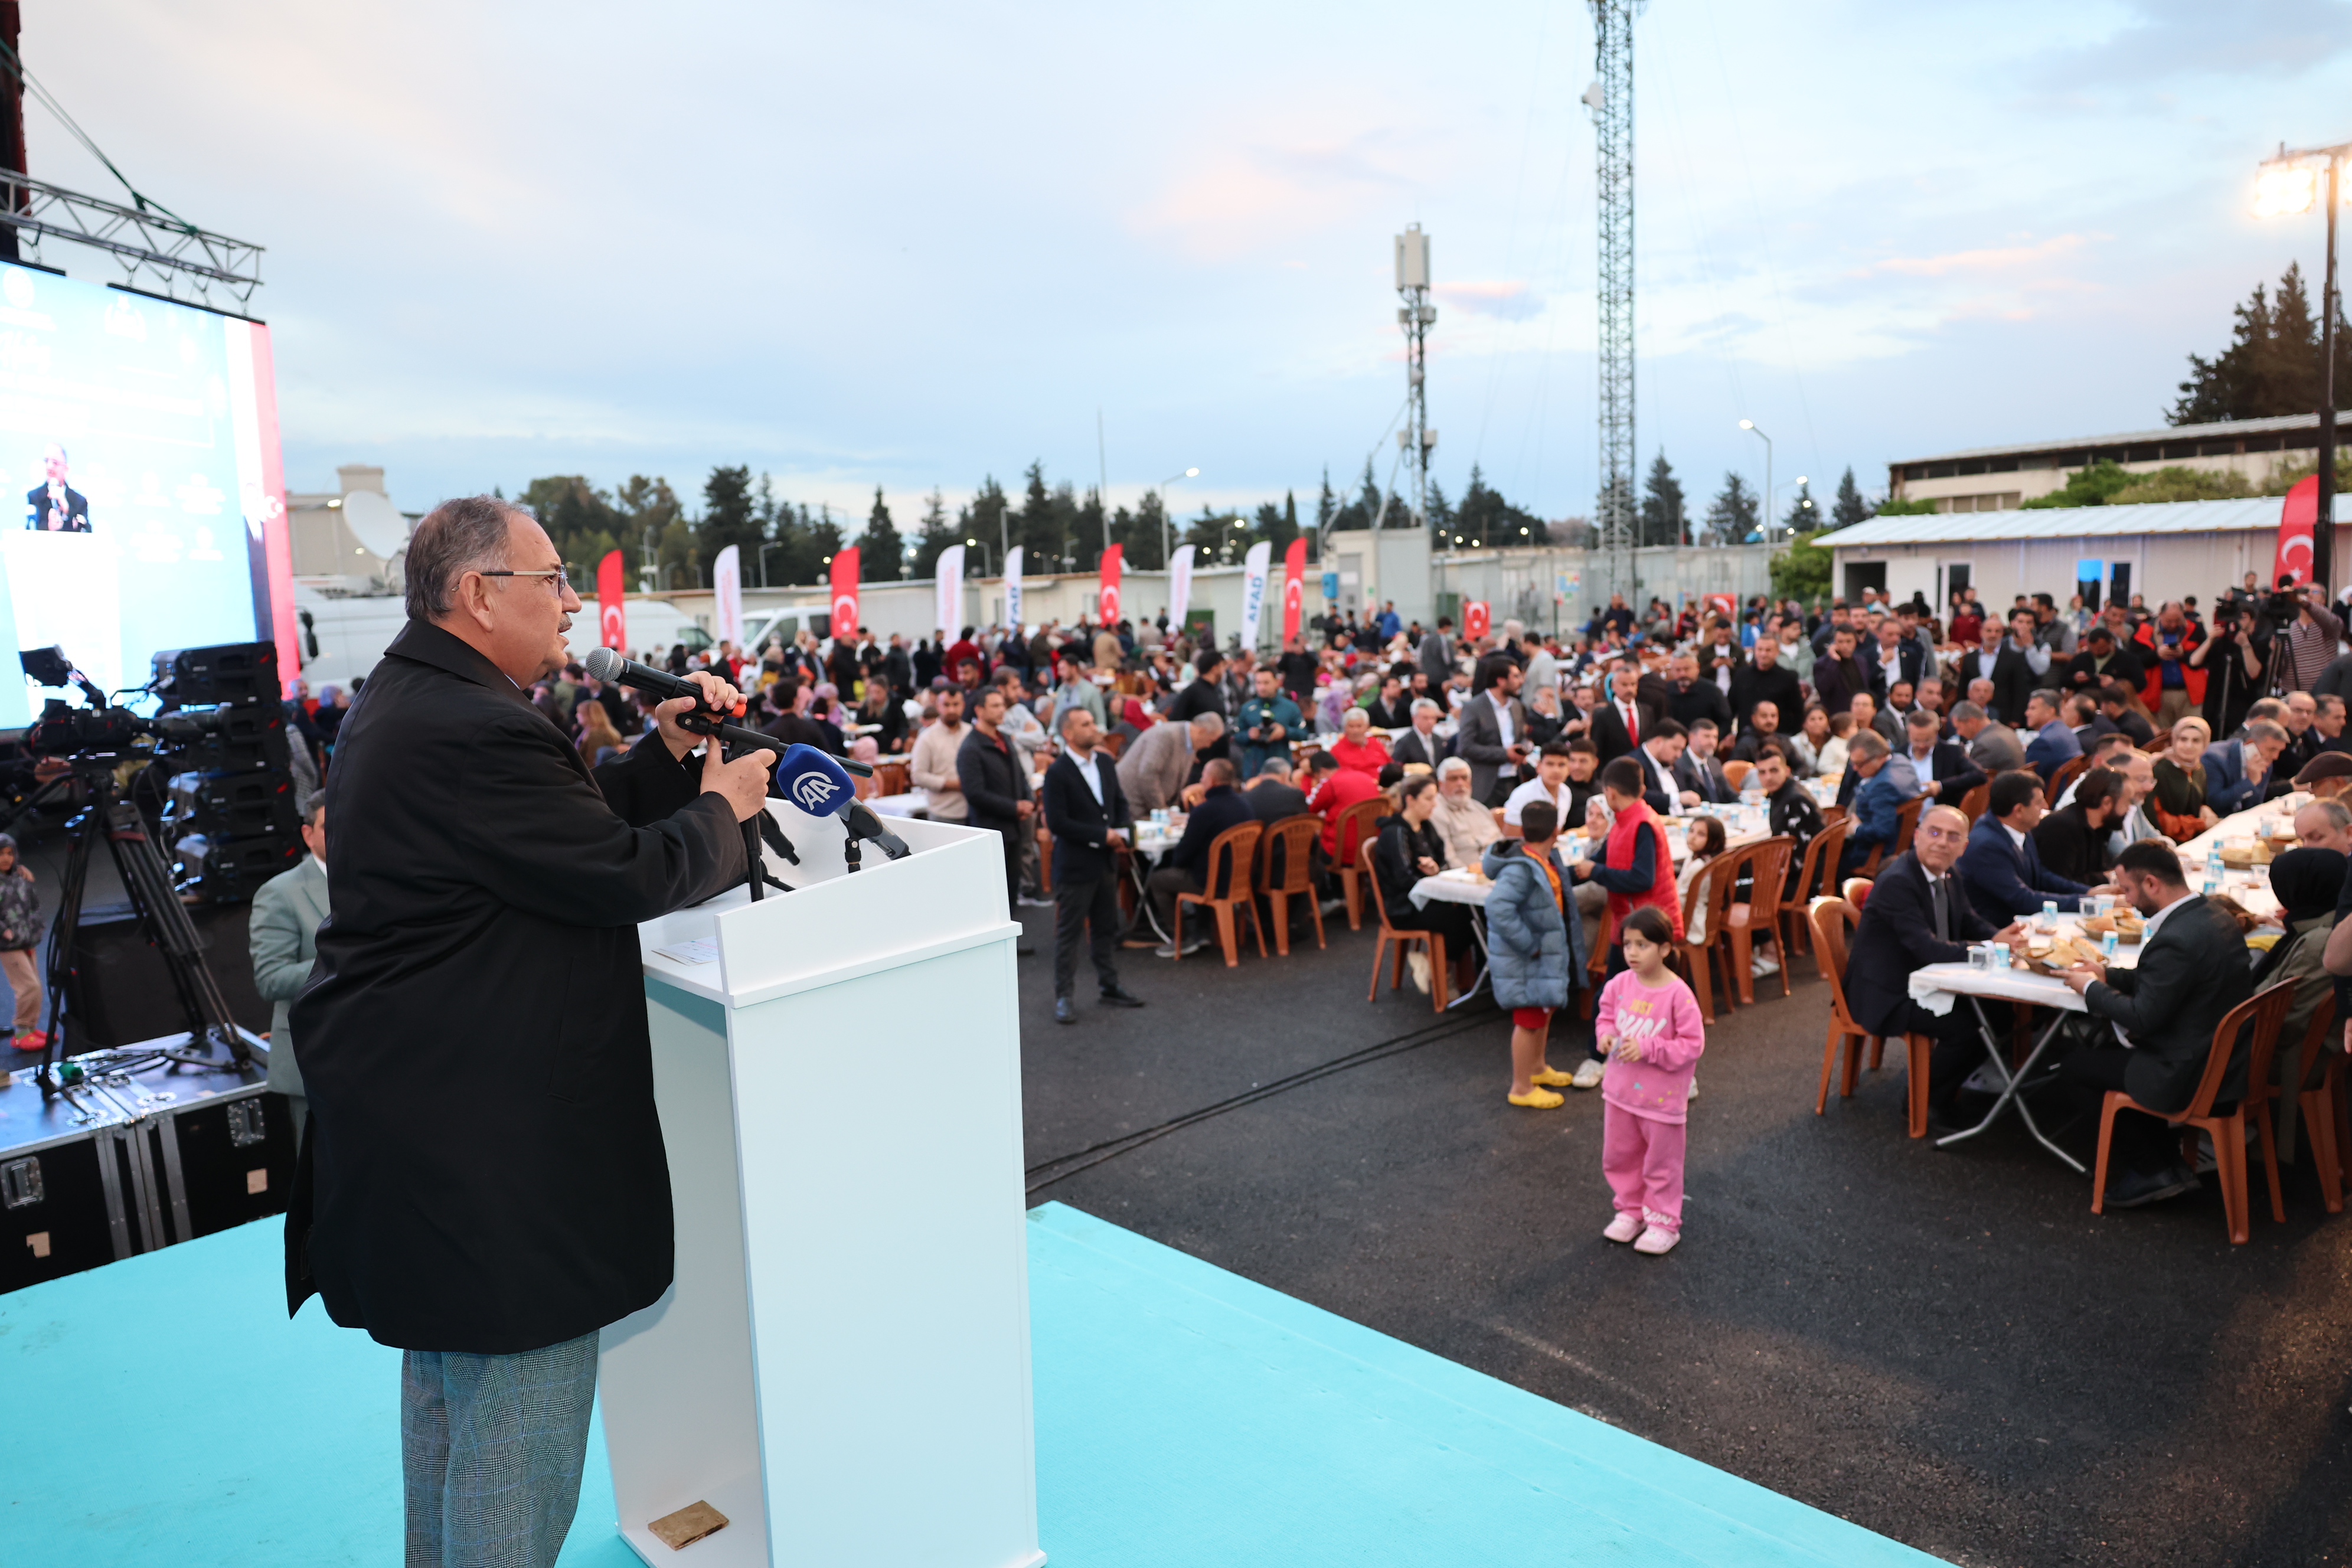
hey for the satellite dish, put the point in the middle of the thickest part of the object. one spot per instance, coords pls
(375, 522)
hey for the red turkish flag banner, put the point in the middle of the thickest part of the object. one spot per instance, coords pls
(1294, 587)
(612, 604)
(2296, 521)
(1722, 605)
(844, 593)
(1476, 617)
(1114, 561)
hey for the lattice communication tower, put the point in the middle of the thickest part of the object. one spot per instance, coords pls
(1611, 99)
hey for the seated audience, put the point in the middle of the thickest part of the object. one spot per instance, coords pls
(1940, 767)
(1356, 746)
(1183, 868)
(2178, 803)
(1466, 827)
(2306, 882)
(1422, 744)
(2236, 772)
(2002, 867)
(1410, 847)
(2053, 744)
(2073, 839)
(1886, 783)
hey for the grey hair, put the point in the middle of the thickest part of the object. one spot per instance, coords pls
(2338, 814)
(1451, 766)
(1965, 711)
(455, 537)
(1214, 723)
(2263, 729)
(1423, 704)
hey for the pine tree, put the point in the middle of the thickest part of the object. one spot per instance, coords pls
(1804, 517)
(824, 541)
(881, 554)
(1662, 506)
(1326, 505)
(1141, 533)
(2272, 366)
(728, 517)
(1441, 513)
(1087, 533)
(1732, 517)
(1849, 507)
(933, 534)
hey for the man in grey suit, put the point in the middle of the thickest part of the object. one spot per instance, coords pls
(2191, 971)
(1992, 746)
(1493, 734)
(284, 935)
(1434, 659)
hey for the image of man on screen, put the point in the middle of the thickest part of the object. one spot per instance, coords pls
(53, 506)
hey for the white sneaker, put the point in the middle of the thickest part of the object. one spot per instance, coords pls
(1588, 1075)
(1760, 966)
(1693, 1090)
(1657, 1239)
(1624, 1227)
(1416, 963)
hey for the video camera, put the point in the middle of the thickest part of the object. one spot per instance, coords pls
(244, 738)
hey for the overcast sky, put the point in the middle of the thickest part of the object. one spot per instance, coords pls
(910, 245)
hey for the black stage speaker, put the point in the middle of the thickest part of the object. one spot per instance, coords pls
(125, 994)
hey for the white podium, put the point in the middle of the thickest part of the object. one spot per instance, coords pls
(842, 1365)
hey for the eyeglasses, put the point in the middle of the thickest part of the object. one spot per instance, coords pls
(562, 581)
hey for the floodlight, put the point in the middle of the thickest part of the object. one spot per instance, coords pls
(2283, 190)
(1748, 425)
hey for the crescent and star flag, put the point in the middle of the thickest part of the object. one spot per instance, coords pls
(1113, 561)
(1294, 587)
(947, 610)
(1253, 569)
(844, 592)
(612, 604)
(1475, 619)
(2296, 521)
(1179, 585)
(1013, 563)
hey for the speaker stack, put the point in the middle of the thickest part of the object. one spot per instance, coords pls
(229, 812)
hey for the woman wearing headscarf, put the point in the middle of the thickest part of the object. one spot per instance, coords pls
(2177, 802)
(2306, 882)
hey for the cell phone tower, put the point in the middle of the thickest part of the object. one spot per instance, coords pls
(1416, 316)
(1611, 99)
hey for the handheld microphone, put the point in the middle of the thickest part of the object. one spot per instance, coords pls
(819, 785)
(605, 664)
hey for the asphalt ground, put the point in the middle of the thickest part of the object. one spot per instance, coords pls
(1945, 1346)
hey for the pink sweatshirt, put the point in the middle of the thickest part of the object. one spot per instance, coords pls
(1666, 1023)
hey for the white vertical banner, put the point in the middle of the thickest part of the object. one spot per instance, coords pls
(1012, 587)
(948, 610)
(1179, 585)
(1253, 570)
(727, 579)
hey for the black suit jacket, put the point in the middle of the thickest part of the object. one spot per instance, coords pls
(483, 1168)
(1953, 771)
(1778, 685)
(1081, 825)
(1703, 699)
(1706, 779)
(1410, 749)
(1896, 936)
(1607, 729)
(994, 779)
(38, 507)
(2013, 681)
(2191, 973)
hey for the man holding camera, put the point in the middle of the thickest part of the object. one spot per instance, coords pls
(2229, 669)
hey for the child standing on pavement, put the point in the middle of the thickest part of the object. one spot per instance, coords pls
(1648, 1023)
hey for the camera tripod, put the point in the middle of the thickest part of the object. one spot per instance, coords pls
(163, 919)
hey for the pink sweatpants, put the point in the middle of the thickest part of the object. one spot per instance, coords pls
(1643, 1162)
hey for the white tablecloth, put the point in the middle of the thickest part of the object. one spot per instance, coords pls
(1934, 986)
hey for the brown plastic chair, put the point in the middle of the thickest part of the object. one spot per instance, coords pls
(1856, 892)
(2158, 743)
(1698, 958)
(1357, 824)
(2262, 1094)
(1830, 919)
(2326, 1126)
(1435, 942)
(1114, 743)
(1766, 868)
(1973, 803)
(2065, 775)
(2262, 1012)
(1907, 823)
(889, 778)
(1295, 835)
(1815, 878)
(1229, 868)
(1736, 772)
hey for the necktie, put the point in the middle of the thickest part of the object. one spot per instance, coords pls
(1943, 910)
(1632, 725)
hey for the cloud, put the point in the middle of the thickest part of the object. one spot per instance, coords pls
(1512, 300)
(2167, 39)
(1235, 200)
(1982, 260)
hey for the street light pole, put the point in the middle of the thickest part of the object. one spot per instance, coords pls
(2283, 189)
(981, 546)
(1750, 425)
(1168, 516)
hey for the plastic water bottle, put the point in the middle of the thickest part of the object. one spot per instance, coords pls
(2213, 867)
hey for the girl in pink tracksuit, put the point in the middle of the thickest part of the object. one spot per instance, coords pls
(1648, 1023)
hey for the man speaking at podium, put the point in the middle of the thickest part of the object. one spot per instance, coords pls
(483, 1185)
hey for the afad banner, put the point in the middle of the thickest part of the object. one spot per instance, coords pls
(1113, 561)
(1476, 619)
(1179, 585)
(612, 604)
(947, 610)
(1253, 569)
(1013, 561)
(844, 593)
(726, 589)
(1294, 587)
(2296, 521)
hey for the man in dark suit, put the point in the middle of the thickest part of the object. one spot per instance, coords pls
(1185, 867)
(53, 506)
(1493, 735)
(484, 935)
(1692, 698)
(2002, 867)
(1918, 914)
(1697, 770)
(1942, 767)
(2054, 745)
(1088, 816)
(2021, 668)
(2192, 970)
(1838, 674)
(2237, 771)
(1422, 743)
(1620, 723)
(994, 779)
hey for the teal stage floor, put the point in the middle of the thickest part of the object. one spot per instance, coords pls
(163, 1411)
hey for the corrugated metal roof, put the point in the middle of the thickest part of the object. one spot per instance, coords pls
(2065, 523)
(2214, 431)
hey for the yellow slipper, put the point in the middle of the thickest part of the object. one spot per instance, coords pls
(1550, 1079)
(1537, 1099)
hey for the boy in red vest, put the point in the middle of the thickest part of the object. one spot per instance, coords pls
(1636, 869)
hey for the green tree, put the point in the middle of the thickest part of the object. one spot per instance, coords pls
(881, 554)
(1905, 508)
(1441, 513)
(1664, 508)
(1086, 532)
(1732, 516)
(983, 518)
(2272, 366)
(1138, 534)
(1850, 507)
(1803, 517)
(1802, 571)
(934, 534)
(1326, 505)
(1485, 519)
(824, 541)
(730, 516)
(2094, 486)
(2175, 483)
